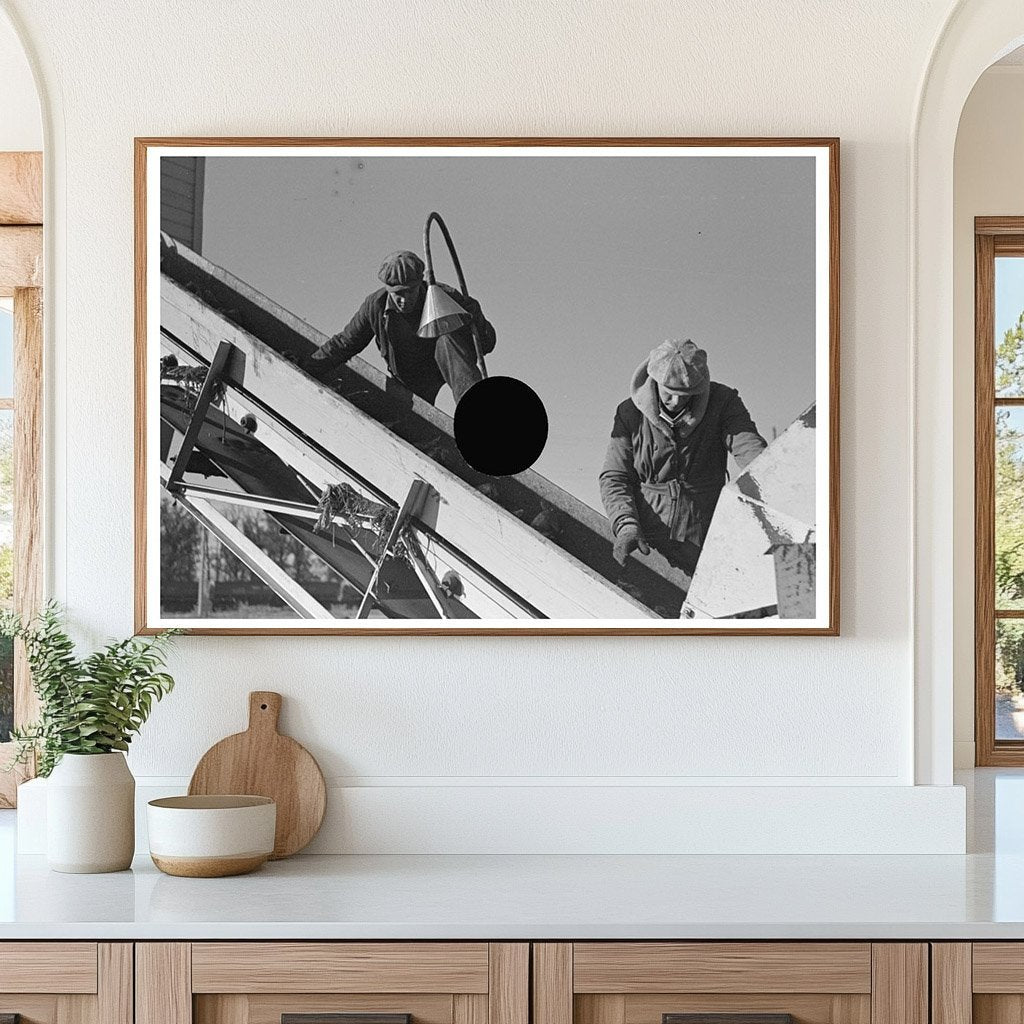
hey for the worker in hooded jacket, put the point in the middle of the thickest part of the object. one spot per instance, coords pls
(667, 459)
(391, 317)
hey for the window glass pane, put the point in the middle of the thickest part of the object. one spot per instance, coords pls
(6, 568)
(1009, 679)
(1009, 327)
(201, 578)
(1009, 533)
(6, 353)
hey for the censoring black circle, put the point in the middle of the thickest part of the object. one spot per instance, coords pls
(501, 426)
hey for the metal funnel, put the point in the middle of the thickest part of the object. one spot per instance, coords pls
(441, 314)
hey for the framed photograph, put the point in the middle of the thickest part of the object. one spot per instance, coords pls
(499, 386)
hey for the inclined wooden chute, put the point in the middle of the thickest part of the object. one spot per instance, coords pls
(473, 547)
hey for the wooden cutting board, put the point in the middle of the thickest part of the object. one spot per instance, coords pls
(262, 762)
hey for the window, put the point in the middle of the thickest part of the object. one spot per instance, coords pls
(21, 364)
(6, 511)
(999, 490)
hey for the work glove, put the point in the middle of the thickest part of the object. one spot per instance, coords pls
(627, 540)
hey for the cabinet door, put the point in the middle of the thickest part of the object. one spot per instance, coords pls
(979, 982)
(730, 983)
(66, 982)
(332, 983)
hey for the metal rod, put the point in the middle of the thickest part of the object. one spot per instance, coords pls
(426, 577)
(412, 506)
(436, 217)
(195, 424)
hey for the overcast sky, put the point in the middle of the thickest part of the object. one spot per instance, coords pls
(583, 265)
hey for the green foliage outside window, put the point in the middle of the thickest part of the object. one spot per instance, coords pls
(1009, 509)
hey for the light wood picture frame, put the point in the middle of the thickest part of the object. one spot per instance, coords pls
(584, 255)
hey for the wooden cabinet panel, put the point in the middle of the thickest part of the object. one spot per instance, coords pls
(64, 967)
(163, 983)
(998, 967)
(552, 983)
(951, 982)
(257, 982)
(899, 983)
(508, 996)
(219, 967)
(66, 982)
(635, 967)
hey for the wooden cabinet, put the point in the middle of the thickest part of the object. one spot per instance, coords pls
(978, 983)
(757, 982)
(264, 982)
(494, 983)
(66, 982)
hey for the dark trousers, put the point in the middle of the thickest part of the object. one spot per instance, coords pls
(455, 357)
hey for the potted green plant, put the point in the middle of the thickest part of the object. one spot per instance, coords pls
(90, 707)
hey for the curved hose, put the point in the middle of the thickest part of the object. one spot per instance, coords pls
(432, 218)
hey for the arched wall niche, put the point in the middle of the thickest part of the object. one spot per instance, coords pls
(976, 33)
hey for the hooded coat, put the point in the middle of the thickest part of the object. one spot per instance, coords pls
(664, 475)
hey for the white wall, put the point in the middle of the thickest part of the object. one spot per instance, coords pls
(987, 182)
(449, 713)
(21, 127)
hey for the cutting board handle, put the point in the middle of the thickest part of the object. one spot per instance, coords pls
(264, 710)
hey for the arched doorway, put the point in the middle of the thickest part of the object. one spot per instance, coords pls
(976, 34)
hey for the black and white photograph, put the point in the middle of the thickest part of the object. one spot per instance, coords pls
(454, 386)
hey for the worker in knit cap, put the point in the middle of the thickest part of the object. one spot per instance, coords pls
(391, 317)
(666, 461)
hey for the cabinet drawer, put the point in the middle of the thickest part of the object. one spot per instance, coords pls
(730, 983)
(332, 983)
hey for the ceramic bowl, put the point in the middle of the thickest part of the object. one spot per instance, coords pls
(211, 836)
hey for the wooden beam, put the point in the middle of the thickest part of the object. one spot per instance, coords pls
(584, 532)
(999, 226)
(21, 188)
(21, 258)
(533, 566)
(199, 410)
(482, 593)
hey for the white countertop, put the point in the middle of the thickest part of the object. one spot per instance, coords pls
(517, 897)
(977, 896)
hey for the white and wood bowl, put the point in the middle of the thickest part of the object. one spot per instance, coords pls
(211, 836)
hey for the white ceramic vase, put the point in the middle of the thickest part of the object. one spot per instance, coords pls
(90, 814)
